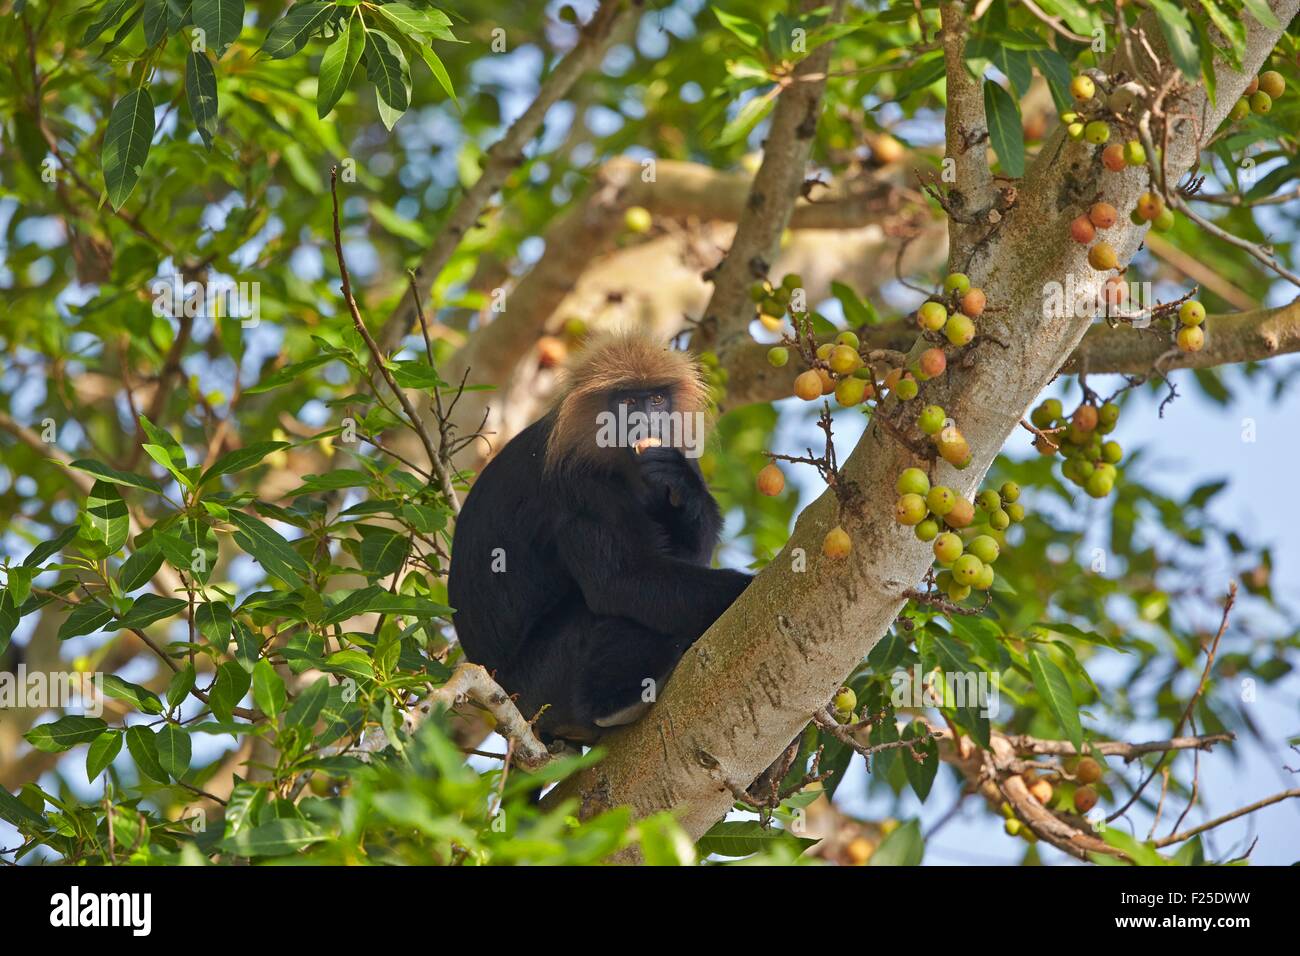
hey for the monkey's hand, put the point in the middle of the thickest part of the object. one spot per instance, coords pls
(669, 477)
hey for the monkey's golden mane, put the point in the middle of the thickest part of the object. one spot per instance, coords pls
(627, 361)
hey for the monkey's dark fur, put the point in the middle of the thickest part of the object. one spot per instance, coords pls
(606, 551)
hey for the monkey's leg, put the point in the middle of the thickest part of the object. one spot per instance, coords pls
(590, 671)
(616, 668)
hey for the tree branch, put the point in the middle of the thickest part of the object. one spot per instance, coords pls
(777, 185)
(438, 460)
(1231, 338)
(470, 682)
(1228, 817)
(966, 133)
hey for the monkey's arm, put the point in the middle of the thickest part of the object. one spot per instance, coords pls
(679, 500)
(620, 576)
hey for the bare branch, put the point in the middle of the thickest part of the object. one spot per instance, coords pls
(1227, 817)
(437, 460)
(470, 682)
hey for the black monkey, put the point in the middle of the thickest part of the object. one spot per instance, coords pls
(580, 568)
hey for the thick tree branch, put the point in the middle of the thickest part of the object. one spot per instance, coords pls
(966, 133)
(777, 185)
(507, 154)
(1231, 338)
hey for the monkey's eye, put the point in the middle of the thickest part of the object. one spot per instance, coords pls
(627, 401)
(656, 399)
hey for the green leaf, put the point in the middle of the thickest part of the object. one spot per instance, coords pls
(1142, 854)
(358, 602)
(179, 547)
(331, 481)
(47, 548)
(155, 21)
(109, 15)
(1013, 63)
(126, 144)
(1054, 688)
(228, 690)
(416, 375)
(19, 584)
(8, 617)
(143, 747)
(215, 623)
(140, 697)
(439, 71)
(139, 569)
(408, 605)
(336, 69)
(276, 838)
(308, 705)
(420, 23)
(741, 838)
(241, 458)
(86, 618)
(857, 312)
(383, 551)
(268, 689)
(105, 522)
(747, 117)
(173, 454)
(147, 609)
(749, 32)
(921, 773)
(290, 33)
(1177, 28)
(351, 663)
(14, 811)
(220, 21)
(1056, 70)
(1259, 9)
(102, 751)
(174, 749)
(201, 94)
(387, 69)
(292, 372)
(919, 75)
(65, 733)
(126, 478)
(904, 847)
(270, 548)
(1005, 132)
(182, 683)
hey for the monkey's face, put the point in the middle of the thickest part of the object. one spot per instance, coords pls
(646, 421)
